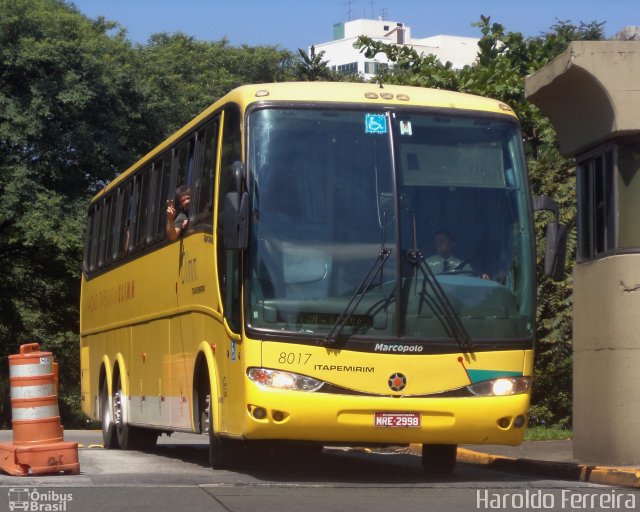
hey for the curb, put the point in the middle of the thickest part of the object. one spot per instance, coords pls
(605, 475)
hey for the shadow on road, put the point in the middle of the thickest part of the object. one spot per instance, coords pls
(331, 465)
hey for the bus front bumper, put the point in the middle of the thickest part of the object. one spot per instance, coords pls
(308, 416)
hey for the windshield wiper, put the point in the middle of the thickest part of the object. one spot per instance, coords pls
(354, 301)
(440, 303)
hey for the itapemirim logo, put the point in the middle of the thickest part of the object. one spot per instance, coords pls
(32, 500)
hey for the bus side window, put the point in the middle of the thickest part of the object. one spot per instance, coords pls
(153, 205)
(109, 254)
(204, 174)
(114, 243)
(142, 210)
(104, 229)
(88, 238)
(229, 262)
(183, 161)
(123, 244)
(95, 233)
(195, 174)
(162, 170)
(133, 210)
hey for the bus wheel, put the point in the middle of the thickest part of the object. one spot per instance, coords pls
(223, 453)
(439, 459)
(129, 437)
(109, 438)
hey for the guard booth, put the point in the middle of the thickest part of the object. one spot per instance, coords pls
(591, 94)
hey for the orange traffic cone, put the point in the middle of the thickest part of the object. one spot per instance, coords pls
(38, 446)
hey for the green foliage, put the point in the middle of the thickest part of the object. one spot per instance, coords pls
(541, 433)
(70, 115)
(79, 103)
(504, 60)
(183, 76)
(310, 67)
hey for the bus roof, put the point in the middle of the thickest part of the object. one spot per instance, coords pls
(328, 92)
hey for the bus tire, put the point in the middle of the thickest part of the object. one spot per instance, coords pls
(128, 436)
(439, 459)
(224, 453)
(109, 438)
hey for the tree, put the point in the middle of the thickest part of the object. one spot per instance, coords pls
(79, 103)
(71, 114)
(310, 67)
(504, 59)
(182, 76)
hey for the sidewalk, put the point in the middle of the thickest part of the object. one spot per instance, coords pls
(547, 458)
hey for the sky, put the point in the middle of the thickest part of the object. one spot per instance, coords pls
(293, 24)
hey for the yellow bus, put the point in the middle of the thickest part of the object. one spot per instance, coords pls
(358, 267)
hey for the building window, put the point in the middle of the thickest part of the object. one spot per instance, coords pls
(597, 219)
(628, 196)
(373, 68)
(348, 69)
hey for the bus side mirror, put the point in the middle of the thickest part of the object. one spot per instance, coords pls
(556, 247)
(236, 212)
(555, 251)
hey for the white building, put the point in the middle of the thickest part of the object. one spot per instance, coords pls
(343, 57)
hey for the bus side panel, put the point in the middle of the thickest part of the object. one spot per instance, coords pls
(149, 374)
(248, 353)
(198, 321)
(88, 396)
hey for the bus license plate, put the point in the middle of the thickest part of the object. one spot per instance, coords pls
(397, 419)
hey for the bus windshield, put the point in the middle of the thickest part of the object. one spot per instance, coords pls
(403, 218)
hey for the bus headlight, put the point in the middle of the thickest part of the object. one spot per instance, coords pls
(501, 387)
(283, 380)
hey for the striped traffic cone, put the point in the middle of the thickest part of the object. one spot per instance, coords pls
(38, 445)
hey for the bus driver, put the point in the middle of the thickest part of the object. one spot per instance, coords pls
(444, 260)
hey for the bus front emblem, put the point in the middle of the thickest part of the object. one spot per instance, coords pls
(397, 382)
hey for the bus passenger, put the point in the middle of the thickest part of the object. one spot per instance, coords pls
(176, 225)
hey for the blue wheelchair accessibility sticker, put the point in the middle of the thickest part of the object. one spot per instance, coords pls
(375, 123)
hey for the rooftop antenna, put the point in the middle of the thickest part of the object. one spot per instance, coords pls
(349, 3)
(372, 14)
(383, 13)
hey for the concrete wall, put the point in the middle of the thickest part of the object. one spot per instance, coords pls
(606, 364)
(591, 94)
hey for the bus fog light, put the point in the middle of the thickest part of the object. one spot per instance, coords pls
(278, 416)
(283, 380)
(504, 422)
(519, 422)
(259, 413)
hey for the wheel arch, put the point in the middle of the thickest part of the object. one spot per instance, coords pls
(205, 364)
(120, 370)
(105, 374)
(104, 381)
